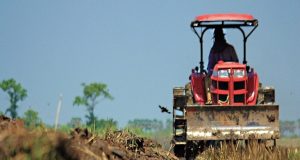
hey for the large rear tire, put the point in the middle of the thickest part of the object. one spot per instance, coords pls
(179, 151)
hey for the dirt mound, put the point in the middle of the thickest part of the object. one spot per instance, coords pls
(19, 143)
(9, 124)
(121, 145)
(137, 147)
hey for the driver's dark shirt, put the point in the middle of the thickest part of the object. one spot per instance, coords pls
(228, 54)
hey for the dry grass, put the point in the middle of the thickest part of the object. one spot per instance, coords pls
(255, 151)
(289, 142)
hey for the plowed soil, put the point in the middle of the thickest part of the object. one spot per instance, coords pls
(16, 142)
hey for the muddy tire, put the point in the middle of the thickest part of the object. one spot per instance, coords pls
(179, 150)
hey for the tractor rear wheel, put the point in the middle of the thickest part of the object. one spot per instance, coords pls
(179, 150)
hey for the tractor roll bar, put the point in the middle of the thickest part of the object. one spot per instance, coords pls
(207, 25)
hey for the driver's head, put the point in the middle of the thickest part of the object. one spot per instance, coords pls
(219, 34)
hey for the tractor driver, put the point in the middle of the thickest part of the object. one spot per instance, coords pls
(220, 50)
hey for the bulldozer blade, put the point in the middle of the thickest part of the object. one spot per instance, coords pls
(212, 122)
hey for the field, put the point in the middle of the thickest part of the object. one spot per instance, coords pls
(254, 151)
(289, 142)
(17, 142)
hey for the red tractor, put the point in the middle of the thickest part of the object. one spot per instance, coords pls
(241, 109)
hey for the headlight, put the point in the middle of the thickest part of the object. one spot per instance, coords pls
(223, 73)
(239, 73)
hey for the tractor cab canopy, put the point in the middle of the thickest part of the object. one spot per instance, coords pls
(224, 20)
(232, 20)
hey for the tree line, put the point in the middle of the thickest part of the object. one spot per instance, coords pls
(290, 128)
(90, 97)
(92, 93)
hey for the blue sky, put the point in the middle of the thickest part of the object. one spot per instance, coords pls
(140, 49)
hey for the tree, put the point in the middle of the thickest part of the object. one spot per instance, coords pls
(31, 118)
(298, 125)
(146, 125)
(15, 92)
(168, 124)
(291, 127)
(106, 124)
(157, 125)
(90, 98)
(287, 128)
(75, 122)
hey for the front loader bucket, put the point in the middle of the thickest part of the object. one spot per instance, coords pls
(212, 122)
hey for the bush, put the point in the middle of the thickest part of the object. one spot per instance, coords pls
(31, 119)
